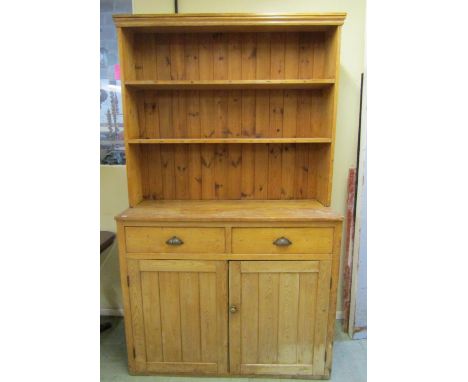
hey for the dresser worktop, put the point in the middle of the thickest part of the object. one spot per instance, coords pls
(230, 210)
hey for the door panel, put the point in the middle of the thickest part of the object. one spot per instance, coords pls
(152, 315)
(179, 315)
(281, 319)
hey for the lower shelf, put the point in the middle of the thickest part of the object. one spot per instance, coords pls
(226, 140)
(230, 84)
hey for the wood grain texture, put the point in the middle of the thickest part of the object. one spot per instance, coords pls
(194, 240)
(249, 318)
(182, 368)
(321, 314)
(177, 266)
(229, 256)
(133, 161)
(222, 320)
(293, 298)
(230, 210)
(332, 65)
(179, 315)
(137, 318)
(273, 171)
(208, 314)
(280, 325)
(253, 84)
(282, 267)
(152, 315)
(261, 240)
(170, 316)
(226, 19)
(262, 56)
(335, 274)
(289, 289)
(306, 317)
(225, 87)
(235, 341)
(275, 114)
(268, 310)
(124, 284)
(190, 316)
(229, 138)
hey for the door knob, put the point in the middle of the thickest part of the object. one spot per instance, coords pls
(233, 309)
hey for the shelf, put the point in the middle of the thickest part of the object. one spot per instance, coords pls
(228, 140)
(230, 84)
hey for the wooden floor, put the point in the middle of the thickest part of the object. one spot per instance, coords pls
(349, 360)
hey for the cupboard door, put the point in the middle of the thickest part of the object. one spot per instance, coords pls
(278, 317)
(179, 315)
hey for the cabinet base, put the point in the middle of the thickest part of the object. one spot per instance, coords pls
(318, 377)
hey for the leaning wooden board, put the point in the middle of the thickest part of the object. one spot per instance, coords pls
(229, 255)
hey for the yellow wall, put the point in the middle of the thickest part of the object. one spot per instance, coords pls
(114, 199)
(153, 6)
(113, 183)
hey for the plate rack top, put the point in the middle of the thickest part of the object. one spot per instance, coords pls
(229, 106)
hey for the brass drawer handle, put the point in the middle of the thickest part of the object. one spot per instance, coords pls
(282, 242)
(174, 240)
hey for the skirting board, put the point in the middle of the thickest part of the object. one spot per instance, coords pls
(119, 312)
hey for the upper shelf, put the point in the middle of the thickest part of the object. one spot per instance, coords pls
(229, 84)
(227, 140)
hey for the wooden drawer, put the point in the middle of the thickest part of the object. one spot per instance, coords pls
(303, 240)
(195, 240)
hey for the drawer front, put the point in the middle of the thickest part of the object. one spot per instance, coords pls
(184, 240)
(288, 240)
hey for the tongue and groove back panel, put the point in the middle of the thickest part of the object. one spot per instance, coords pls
(232, 171)
(267, 136)
(223, 56)
(291, 113)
